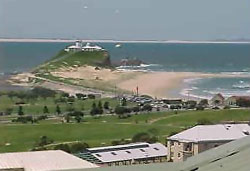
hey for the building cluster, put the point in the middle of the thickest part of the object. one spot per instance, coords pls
(216, 102)
(78, 46)
(181, 147)
(233, 101)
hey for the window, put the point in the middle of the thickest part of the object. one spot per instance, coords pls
(179, 155)
(142, 150)
(113, 153)
(157, 149)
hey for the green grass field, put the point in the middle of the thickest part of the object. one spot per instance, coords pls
(35, 106)
(97, 132)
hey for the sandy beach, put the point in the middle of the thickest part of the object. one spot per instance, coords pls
(159, 84)
(155, 84)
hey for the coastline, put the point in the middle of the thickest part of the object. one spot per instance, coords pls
(161, 84)
(169, 84)
(155, 84)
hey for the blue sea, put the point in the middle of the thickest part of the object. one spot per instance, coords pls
(177, 57)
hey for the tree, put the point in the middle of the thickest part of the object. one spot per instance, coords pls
(124, 101)
(106, 105)
(100, 109)
(44, 140)
(243, 102)
(78, 147)
(70, 108)
(147, 107)
(78, 118)
(45, 110)
(58, 110)
(119, 110)
(203, 102)
(8, 111)
(20, 111)
(63, 147)
(136, 109)
(144, 137)
(94, 109)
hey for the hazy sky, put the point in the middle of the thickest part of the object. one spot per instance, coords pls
(126, 19)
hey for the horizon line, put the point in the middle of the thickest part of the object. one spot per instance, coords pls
(58, 40)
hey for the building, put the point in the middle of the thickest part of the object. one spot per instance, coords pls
(91, 48)
(128, 154)
(203, 137)
(233, 100)
(79, 47)
(42, 161)
(217, 100)
(228, 157)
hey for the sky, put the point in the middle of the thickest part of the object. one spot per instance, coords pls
(126, 19)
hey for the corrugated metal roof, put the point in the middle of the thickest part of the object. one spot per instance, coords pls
(128, 152)
(233, 156)
(42, 161)
(220, 132)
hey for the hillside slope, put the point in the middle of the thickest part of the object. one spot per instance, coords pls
(76, 59)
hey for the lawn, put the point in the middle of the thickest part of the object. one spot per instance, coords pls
(35, 106)
(103, 130)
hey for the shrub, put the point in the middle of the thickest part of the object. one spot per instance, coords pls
(63, 147)
(204, 121)
(147, 107)
(144, 137)
(78, 147)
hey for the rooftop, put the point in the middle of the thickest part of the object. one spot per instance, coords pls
(228, 157)
(42, 161)
(206, 133)
(127, 152)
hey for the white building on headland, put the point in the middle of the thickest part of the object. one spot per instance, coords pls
(78, 46)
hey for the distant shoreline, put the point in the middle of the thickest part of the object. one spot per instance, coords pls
(122, 41)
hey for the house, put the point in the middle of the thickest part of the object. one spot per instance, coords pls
(228, 157)
(217, 100)
(233, 100)
(137, 153)
(79, 47)
(42, 161)
(76, 47)
(91, 48)
(203, 137)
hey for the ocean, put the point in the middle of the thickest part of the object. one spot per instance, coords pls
(177, 57)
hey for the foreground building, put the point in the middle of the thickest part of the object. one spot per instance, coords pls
(203, 137)
(233, 156)
(138, 153)
(42, 161)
